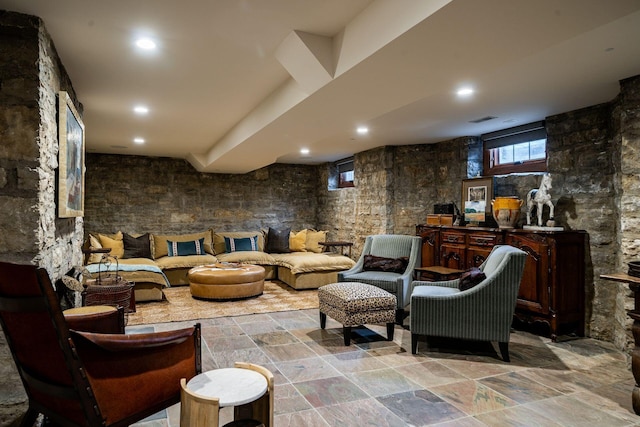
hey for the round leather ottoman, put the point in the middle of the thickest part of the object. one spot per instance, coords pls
(226, 281)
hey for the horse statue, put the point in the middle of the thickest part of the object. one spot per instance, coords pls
(538, 197)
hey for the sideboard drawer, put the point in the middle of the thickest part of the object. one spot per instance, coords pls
(452, 237)
(484, 240)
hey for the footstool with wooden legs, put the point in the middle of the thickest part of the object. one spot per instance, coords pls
(355, 304)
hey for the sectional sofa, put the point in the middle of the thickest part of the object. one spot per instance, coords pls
(155, 261)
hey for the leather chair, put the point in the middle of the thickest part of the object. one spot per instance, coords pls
(79, 378)
(392, 246)
(483, 312)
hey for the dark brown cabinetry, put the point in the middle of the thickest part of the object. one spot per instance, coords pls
(552, 287)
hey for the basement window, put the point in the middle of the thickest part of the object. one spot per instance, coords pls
(346, 173)
(518, 149)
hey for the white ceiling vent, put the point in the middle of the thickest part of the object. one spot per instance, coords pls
(483, 119)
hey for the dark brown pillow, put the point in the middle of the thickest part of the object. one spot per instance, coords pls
(391, 265)
(278, 241)
(136, 247)
(470, 278)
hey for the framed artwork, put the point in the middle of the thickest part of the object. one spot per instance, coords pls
(70, 159)
(477, 194)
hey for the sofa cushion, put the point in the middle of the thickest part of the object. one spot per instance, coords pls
(298, 241)
(235, 244)
(313, 237)
(193, 247)
(113, 242)
(161, 248)
(136, 247)
(305, 262)
(247, 257)
(94, 243)
(170, 262)
(218, 239)
(377, 263)
(278, 241)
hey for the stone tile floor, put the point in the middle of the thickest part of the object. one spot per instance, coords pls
(374, 382)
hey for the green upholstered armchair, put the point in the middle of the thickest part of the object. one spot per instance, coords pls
(482, 313)
(392, 246)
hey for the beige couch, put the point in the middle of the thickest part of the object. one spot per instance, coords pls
(305, 267)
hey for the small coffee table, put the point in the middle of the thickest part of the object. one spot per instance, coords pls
(436, 273)
(226, 281)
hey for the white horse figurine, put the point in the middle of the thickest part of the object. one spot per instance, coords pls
(538, 197)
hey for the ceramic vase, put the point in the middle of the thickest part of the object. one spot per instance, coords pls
(506, 211)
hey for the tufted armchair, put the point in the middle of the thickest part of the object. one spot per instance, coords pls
(391, 246)
(483, 313)
(88, 379)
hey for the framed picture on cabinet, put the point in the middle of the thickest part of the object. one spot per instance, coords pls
(70, 159)
(477, 194)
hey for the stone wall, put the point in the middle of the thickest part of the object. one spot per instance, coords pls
(140, 194)
(627, 126)
(31, 76)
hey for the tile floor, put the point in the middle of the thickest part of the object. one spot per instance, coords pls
(374, 382)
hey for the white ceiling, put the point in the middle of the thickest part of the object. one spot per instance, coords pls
(236, 85)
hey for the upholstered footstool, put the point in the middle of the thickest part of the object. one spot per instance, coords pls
(226, 281)
(355, 304)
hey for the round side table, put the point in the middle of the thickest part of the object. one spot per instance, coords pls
(232, 386)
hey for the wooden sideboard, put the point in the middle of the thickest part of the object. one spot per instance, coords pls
(552, 287)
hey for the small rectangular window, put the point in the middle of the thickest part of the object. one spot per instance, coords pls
(345, 173)
(518, 149)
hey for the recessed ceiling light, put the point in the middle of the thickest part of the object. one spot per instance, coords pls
(145, 43)
(140, 109)
(138, 140)
(304, 151)
(465, 91)
(362, 130)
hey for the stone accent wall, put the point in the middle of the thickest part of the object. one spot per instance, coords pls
(161, 195)
(30, 77)
(627, 120)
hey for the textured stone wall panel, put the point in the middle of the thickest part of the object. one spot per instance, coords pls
(168, 196)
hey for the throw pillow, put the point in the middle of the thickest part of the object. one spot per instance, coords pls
(234, 244)
(278, 241)
(298, 241)
(391, 265)
(470, 278)
(194, 247)
(136, 247)
(94, 243)
(114, 243)
(313, 237)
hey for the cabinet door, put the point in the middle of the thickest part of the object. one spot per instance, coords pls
(533, 295)
(430, 242)
(453, 250)
(479, 246)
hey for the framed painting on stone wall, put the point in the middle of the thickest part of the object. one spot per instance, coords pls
(70, 159)
(476, 199)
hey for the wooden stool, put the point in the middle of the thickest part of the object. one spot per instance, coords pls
(250, 393)
(355, 304)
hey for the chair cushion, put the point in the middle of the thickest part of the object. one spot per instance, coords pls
(433, 291)
(394, 265)
(470, 278)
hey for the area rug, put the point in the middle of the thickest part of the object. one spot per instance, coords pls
(180, 305)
